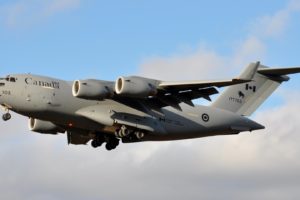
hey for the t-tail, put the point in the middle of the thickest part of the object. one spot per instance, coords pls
(245, 98)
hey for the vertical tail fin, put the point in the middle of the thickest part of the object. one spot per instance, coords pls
(245, 98)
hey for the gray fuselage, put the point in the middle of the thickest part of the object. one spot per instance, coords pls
(51, 100)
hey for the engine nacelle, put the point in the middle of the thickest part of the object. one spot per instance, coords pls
(44, 127)
(92, 89)
(137, 87)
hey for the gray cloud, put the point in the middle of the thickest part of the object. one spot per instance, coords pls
(262, 164)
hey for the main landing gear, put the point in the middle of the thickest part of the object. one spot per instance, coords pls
(124, 133)
(111, 141)
(129, 134)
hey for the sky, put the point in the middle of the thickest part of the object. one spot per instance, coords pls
(168, 40)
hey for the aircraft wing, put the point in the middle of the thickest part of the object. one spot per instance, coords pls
(174, 93)
(191, 85)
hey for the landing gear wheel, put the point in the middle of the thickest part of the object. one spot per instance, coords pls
(108, 147)
(112, 144)
(6, 116)
(139, 135)
(122, 132)
(95, 144)
(98, 141)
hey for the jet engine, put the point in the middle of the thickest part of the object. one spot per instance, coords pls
(137, 87)
(44, 127)
(92, 89)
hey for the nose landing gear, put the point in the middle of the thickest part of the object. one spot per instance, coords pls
(6, 116)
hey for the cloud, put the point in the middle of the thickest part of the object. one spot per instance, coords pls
(200, 63)
(61, 5)
(205, 63)
(276, 24)
(250, 49)
(26, 13)
(262, 164)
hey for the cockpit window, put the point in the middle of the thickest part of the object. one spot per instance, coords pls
(9, 79)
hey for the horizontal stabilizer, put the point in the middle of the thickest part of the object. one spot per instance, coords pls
(279, 71)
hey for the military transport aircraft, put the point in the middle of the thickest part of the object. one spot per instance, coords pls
(135, 109)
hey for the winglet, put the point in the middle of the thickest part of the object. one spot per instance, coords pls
(249, 72)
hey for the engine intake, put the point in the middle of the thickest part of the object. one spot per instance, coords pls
(44, 127)
(134, 86)
(92, 89)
